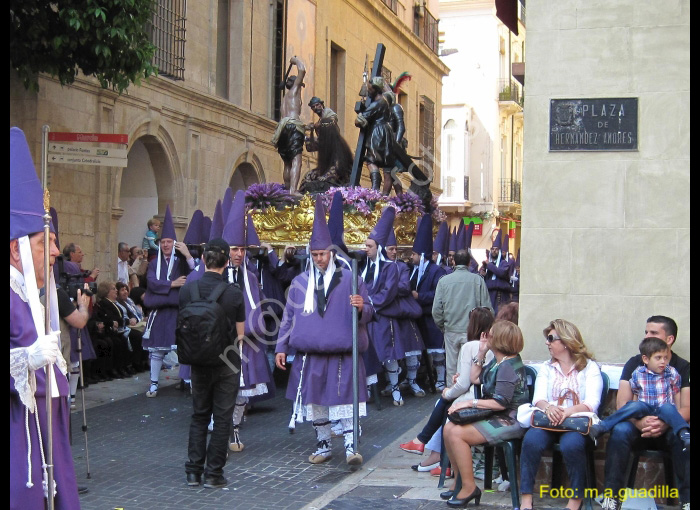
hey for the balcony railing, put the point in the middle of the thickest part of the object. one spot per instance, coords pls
(425, 26)
(510, 91)
(510, 191)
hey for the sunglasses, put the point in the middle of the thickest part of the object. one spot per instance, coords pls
(551, 339)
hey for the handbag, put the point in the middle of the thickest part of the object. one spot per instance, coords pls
(469, 415)
(580, 424)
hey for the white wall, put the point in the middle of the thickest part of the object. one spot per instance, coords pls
(139, 197)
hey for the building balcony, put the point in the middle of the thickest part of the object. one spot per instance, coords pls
(509, 198)
(510, 97)
(425, 26)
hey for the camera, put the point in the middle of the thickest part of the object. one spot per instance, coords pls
(72, 282)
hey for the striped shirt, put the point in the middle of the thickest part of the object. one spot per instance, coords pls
(655, 389)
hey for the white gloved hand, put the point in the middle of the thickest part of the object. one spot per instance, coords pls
(514, 278)
(44, 351)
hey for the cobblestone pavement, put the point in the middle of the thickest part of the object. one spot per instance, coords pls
(138, 447)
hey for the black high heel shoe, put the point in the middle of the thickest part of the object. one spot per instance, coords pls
(447, 494)
(458, 503)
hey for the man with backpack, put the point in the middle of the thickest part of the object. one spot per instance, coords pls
(210, 324)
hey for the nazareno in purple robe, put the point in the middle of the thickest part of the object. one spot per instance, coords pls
(23, 334)
(432, 336)
(254, 365)
(382, 328)
(162, 299)
(327, 374)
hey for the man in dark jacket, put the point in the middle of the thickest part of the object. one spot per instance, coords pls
(214, 388)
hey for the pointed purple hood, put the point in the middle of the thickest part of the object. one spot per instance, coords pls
(468, 236)
(320, 235)
(193, 234)
(440, 244)
(234, 230)
(424, 237)
(252, 234)
(380, 232)
(26, 195)
(217, 224)
(168, 231)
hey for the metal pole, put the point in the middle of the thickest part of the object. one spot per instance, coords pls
(82, 396)
(47, 317)
(355, 361)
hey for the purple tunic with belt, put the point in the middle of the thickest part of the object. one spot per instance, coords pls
(326, 340)
(432, 336)
(23, 334)
(163, 300)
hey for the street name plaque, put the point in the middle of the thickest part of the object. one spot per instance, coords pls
(601, 124)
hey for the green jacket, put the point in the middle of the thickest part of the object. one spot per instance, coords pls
(457, 294)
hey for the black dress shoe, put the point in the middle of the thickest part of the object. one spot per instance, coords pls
(83, 490)
(215, 482)
(194, 479)
(458, 503)
(447, 494)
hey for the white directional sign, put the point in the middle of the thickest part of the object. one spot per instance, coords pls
(65, 159)
(77, 149)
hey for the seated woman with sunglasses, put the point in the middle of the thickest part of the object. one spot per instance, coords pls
(480, 321)
(504, 387)
(571, 367)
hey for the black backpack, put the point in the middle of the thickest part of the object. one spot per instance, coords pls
(203, 330)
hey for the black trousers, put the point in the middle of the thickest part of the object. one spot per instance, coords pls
(214, 391)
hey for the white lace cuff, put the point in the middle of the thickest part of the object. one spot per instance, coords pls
(25, 382)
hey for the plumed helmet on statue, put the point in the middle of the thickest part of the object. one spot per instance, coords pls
(335, 223)
(217, 224)
(26, 195)
(251, 234)
(424, 237)
(234, 230)
(440, 244)
(380, 232)
(226, 203)
(504, 243)
(204, 230)
(497, 242)
(468, 236)
(320, 235)
(192, 236)
(168, 231)
(402, 78)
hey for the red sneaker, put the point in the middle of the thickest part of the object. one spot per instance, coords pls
(412, 447)
(436, 472)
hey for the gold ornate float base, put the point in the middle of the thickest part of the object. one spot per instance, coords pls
(292, 225)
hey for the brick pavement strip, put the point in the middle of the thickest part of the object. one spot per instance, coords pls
(138, 447)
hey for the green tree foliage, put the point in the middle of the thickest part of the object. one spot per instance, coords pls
(107, 39)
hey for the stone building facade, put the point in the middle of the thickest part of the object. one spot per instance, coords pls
(206, 121)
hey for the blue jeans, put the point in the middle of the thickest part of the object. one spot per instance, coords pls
(624, 438)
(435, 421)
(573, 450)
(637, 409)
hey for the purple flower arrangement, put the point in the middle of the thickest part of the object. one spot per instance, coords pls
(438, 214)
(407, 202)
(268, 194)
(355, 198)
